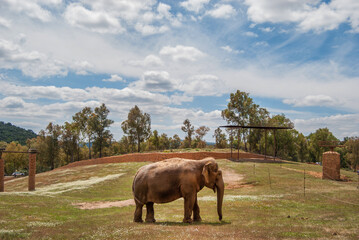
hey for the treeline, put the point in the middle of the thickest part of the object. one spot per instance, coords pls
(287, 144)
(88, 136)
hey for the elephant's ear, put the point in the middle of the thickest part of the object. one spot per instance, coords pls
(205, 172)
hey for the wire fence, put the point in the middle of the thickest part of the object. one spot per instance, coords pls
(311, 185)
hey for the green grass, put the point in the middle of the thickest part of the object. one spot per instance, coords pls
(254, 210)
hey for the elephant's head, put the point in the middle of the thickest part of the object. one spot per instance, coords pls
(213, 179)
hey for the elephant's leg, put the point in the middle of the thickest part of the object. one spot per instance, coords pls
(189, 201)
(196, 216)
(150, 216)
(138, 212)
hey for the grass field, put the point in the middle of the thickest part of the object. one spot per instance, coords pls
(257, 207)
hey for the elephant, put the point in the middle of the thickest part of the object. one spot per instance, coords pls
(171, 179)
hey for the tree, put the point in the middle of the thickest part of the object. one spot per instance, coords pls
(15, 161)
(239, 111)
(353, 152)
(154, 139)
(137, 125)
(302, 147)
(175, 142)
(201, 132)
(259, 117)
(83, 121)
(164, 142)
(52, 135)
(220, 137)
(99, 124)
(282, 140)
(189, 129)
(315, 151)
(125, 145)
(69, 140)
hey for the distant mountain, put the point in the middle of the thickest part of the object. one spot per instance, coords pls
(10, 133)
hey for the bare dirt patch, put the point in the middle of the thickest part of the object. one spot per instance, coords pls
(314, 174)
(232, 179)
(96, 205)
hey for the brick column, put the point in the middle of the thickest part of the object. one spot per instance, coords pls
(331, 165)
(2, 171)
(32, 169)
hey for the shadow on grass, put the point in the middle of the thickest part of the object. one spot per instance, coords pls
(169, 223)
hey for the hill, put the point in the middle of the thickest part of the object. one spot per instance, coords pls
(94, 202)
(10, 133)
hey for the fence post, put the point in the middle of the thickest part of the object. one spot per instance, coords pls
(32, 169)
(2, 171)
(304, 182)
(270, 182)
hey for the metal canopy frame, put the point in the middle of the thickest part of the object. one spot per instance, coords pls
(266, 128)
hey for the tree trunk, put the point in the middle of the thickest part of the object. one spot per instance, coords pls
(138, 143)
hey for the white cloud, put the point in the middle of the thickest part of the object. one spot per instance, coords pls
(251, 34)
(31, 63)
(114, 78)
(178, 99)
(308, 14)
(46, 92)
(4, 23)
(31, 9)
(222, 11)
(230, 50)
(313, 100)
(194, 5)
(12, 102)
(97, 21)
(261, 44)
(267, 29)
(149, 61)
(82, 67)
(182, 53)
(146, 17)
(156, 81)
(203, 85)
(150, 29)
(342, 125)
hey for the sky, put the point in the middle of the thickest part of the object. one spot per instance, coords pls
(180, 59)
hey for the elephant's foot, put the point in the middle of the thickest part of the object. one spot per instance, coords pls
(197, 219)
(187, 220)
(151, 220)
(138, 220)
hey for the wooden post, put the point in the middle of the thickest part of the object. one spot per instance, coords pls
(304, 182)
(275, 147)
(32, 169)
(270, 181)
(265, 144)
(231, 136)
(239, 133)
(2, 171)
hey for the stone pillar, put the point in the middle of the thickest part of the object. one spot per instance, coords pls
(32, 169)
(331, 165)
(2, 172)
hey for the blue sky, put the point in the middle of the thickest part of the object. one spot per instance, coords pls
(180, 59)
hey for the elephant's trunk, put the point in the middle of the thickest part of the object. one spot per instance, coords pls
(220, 193)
